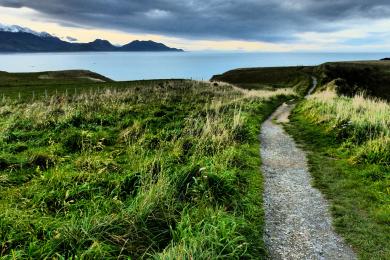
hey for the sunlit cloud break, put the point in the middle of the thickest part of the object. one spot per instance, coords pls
(247, 25)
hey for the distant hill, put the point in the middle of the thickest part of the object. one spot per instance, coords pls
(348, 78)
(19, 39)
(298, 77)
(145, 46)
(351, 78)
(48, 78)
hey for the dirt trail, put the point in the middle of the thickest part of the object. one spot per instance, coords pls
(298, 222)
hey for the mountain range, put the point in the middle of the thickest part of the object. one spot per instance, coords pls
(20, 39)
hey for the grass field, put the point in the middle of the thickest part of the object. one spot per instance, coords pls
(169, 169)
(298, 78)
(42, 85)
(152, 169)
(349, 155)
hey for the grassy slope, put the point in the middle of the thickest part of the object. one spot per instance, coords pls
(37, 85)
(142, 169)
(359, 192)
(349, 161)
(49, 77)
(269, 78)
(40, 85)
(371, 77)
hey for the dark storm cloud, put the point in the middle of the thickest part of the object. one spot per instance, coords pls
(267, 20)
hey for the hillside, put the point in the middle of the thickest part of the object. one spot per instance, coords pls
(298, 78)
(348, 78)
(49, 77)
(351, 78)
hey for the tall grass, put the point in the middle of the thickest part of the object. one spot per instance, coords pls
(155, 170)
(363, 124)
(348, 140)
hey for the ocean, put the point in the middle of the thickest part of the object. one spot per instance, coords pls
(166, 65)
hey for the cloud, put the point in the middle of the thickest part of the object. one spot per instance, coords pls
(157, 14)
(71, 39)
(277, 21)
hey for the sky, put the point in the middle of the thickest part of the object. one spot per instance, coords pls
(236, 25)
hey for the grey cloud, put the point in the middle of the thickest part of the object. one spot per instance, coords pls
(71, 39)
(267, 20)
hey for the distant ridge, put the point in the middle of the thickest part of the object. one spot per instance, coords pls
(15, 38)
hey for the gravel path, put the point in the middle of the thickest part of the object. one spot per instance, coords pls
(298, 223)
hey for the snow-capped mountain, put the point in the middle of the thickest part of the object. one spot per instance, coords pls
(14, 38)
(18, 29)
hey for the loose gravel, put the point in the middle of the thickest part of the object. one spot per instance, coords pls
(298, 222)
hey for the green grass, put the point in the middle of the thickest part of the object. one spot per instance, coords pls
(169, 169)
(69, 84)
(148, 169)
(358, 191)
(349, 78)
(361, 123)
(298, 78)
(369, 77)
(49, 78)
